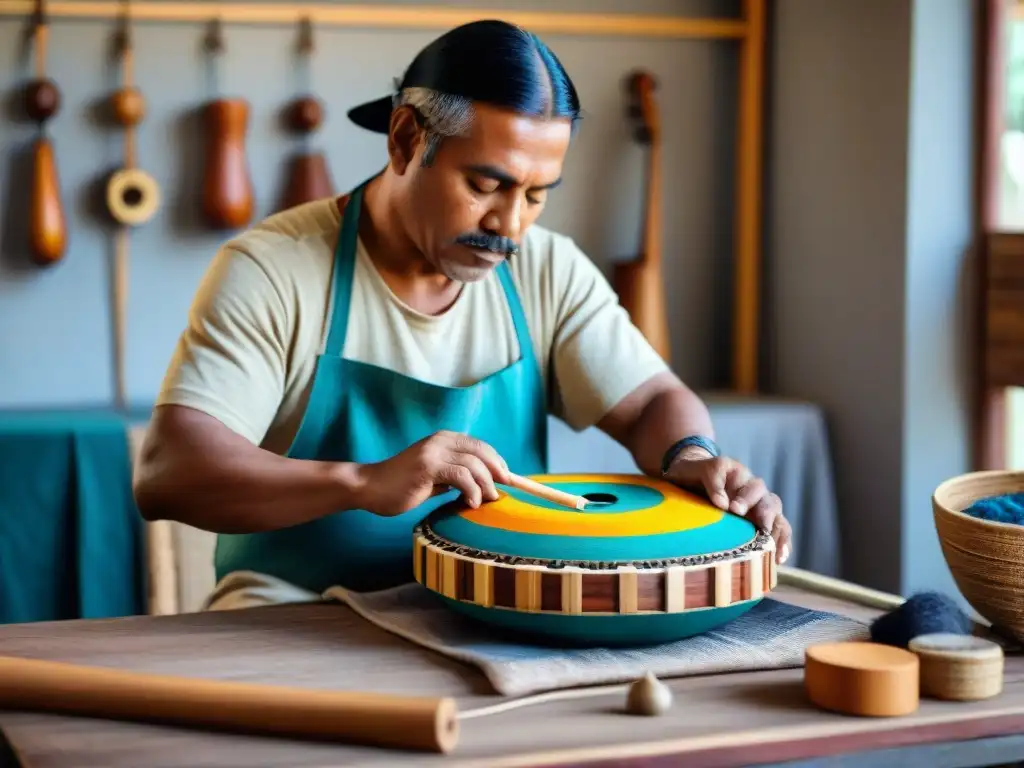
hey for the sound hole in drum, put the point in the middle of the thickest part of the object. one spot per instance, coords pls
(132, 196)
(600, 499)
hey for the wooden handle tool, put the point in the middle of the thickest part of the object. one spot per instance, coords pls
(402, 722)
(546, 492)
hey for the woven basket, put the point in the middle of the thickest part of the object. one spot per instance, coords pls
(986, 558)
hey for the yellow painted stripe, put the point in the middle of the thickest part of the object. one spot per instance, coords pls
(678, 512)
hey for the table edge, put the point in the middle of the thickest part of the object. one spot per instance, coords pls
(721, 751)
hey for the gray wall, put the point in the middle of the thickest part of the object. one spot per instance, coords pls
(870, 200)
(867, 195)
(63, 355)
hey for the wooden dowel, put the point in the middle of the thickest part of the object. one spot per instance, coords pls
(829, 586)
(395, 16)
(546, 492)
(120, 273)
(400, 722)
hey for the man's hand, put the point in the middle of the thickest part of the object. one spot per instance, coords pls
(730, 485)
(429, 467)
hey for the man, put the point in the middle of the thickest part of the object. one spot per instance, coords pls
(349, 363)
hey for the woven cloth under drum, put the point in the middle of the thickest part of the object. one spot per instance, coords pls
(772, 635)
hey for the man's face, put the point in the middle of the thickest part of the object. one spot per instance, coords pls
(482, 192)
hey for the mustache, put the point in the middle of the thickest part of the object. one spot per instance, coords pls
(494, 243)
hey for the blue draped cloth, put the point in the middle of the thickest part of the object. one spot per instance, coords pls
(71, 538)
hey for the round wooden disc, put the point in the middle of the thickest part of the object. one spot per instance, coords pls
(133, 196)
(867, 679)
(959, 667)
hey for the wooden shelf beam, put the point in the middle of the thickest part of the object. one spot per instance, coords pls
(389, 17)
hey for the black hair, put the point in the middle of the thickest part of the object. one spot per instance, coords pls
(488, 61)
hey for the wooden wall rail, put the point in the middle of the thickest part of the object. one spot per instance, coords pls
(389, 16)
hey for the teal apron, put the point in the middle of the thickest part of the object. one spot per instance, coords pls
(362, 413)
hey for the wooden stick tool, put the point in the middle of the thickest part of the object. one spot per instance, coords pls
(546, 492)
(403, 722)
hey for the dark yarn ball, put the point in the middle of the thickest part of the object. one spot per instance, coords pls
(921, 614)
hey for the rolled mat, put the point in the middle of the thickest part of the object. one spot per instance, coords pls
(771, 635)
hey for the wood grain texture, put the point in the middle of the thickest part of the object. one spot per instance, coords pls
(449, 572)
(729, 720)
(989, 414)
(747, 232)
(47, 225)
(227, 201)
(1004, 310)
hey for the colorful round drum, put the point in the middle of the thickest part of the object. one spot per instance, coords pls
(645, 562)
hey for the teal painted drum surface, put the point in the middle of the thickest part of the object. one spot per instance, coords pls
(645, 562)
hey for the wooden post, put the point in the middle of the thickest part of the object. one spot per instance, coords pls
(990, 411)
(748, 214)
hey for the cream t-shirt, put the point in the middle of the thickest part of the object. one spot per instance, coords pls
(260, 318)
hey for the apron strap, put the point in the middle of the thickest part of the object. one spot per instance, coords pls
(344, 274)
(344, 271)
(515, 307)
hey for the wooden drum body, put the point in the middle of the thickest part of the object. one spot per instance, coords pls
(648, 563)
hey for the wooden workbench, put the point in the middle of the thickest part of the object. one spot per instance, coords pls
(740, 719)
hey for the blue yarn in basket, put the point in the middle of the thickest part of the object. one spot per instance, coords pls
(1008, 508)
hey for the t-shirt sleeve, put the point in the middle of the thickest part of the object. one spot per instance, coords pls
(598, 356)
(230, 362)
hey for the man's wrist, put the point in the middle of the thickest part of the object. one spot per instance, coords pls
(352, 483)
(689, 448)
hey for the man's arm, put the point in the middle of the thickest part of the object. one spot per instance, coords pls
(202, 462)
(653, 417)
(195, 470)
(660, 412)
(609, 376)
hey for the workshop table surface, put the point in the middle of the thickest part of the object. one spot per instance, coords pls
(735, 719)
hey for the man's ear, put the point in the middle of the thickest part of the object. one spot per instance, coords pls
(405, 134)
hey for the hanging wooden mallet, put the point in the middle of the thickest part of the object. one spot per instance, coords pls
(47, 225)
(308, 175)
(227, 194)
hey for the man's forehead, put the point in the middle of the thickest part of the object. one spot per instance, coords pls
(490, 121)
(508, 146)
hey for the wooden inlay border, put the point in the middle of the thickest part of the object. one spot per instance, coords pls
(613, 590)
